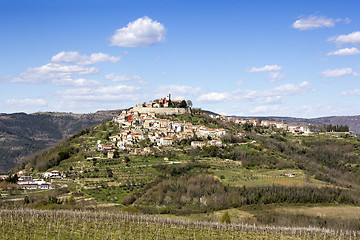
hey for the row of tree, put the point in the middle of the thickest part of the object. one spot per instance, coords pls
(336, 128)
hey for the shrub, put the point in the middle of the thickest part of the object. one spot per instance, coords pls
(225, 218)
(130, 199)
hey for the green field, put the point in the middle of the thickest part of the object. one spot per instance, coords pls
(45, 224)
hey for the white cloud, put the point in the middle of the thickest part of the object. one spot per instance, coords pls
(51, 71)
(213, 97)
(269, 96)
(344, 52)
(27, 105)
(275, 76)
(352, 38)
(355, 92)
(265, 109)
(77, 58)
(26, 102)
(266, 68)
(140, 33)
(102, 93)
(81, 82)
(122, 77)
(339, 72)
(177, 91)
(313, 22)
(289, 89)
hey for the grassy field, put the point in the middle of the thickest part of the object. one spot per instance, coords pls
(46, 224)
(250, 178)
(336, 212)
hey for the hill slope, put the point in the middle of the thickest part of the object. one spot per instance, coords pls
(22, 134)
(268, 177)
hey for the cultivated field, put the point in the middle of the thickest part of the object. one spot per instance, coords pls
(63, 224)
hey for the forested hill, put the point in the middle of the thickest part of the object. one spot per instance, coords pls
(352, 121)
(22, 134)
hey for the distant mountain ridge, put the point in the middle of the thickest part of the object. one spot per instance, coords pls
(352, 121)
(22, 134)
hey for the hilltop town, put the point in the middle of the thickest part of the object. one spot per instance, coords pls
(144, 123)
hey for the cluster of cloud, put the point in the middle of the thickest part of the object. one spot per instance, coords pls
(103, 93)
(77, 58)
(53, 72)
(24, 105)
(274, 74)
(69, 69)
(26, 102)
(351, 38)
(339, 72)
(64, 70)
(268, 96)
(141, 33)
(261, 101)
(178, 91)
(355, 92)
(122, 77)
(266, 68)
(344, 52)
(313, 22)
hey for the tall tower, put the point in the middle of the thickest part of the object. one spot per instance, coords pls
(168, 97)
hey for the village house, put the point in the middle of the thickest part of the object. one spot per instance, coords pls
(166, 141)
(199, 144)
(217, 143)
(53, 174)
(27, 182)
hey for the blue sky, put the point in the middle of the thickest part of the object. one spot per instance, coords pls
(255, 58)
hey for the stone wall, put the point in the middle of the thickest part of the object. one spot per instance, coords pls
(165, 111)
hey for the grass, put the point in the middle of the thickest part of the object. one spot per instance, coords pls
(336, 212)
(251, 178)
(236, 216)
(62, 224)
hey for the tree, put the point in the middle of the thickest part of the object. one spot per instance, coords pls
(225, 218)
(12, 178)
(183, 104)
(116, 154)
(109, 172)
(189, 103)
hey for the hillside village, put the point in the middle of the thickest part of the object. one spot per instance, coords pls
(147, 123)
(265, 124)
(143, 123)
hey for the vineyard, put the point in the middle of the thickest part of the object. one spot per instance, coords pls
(63, 224)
